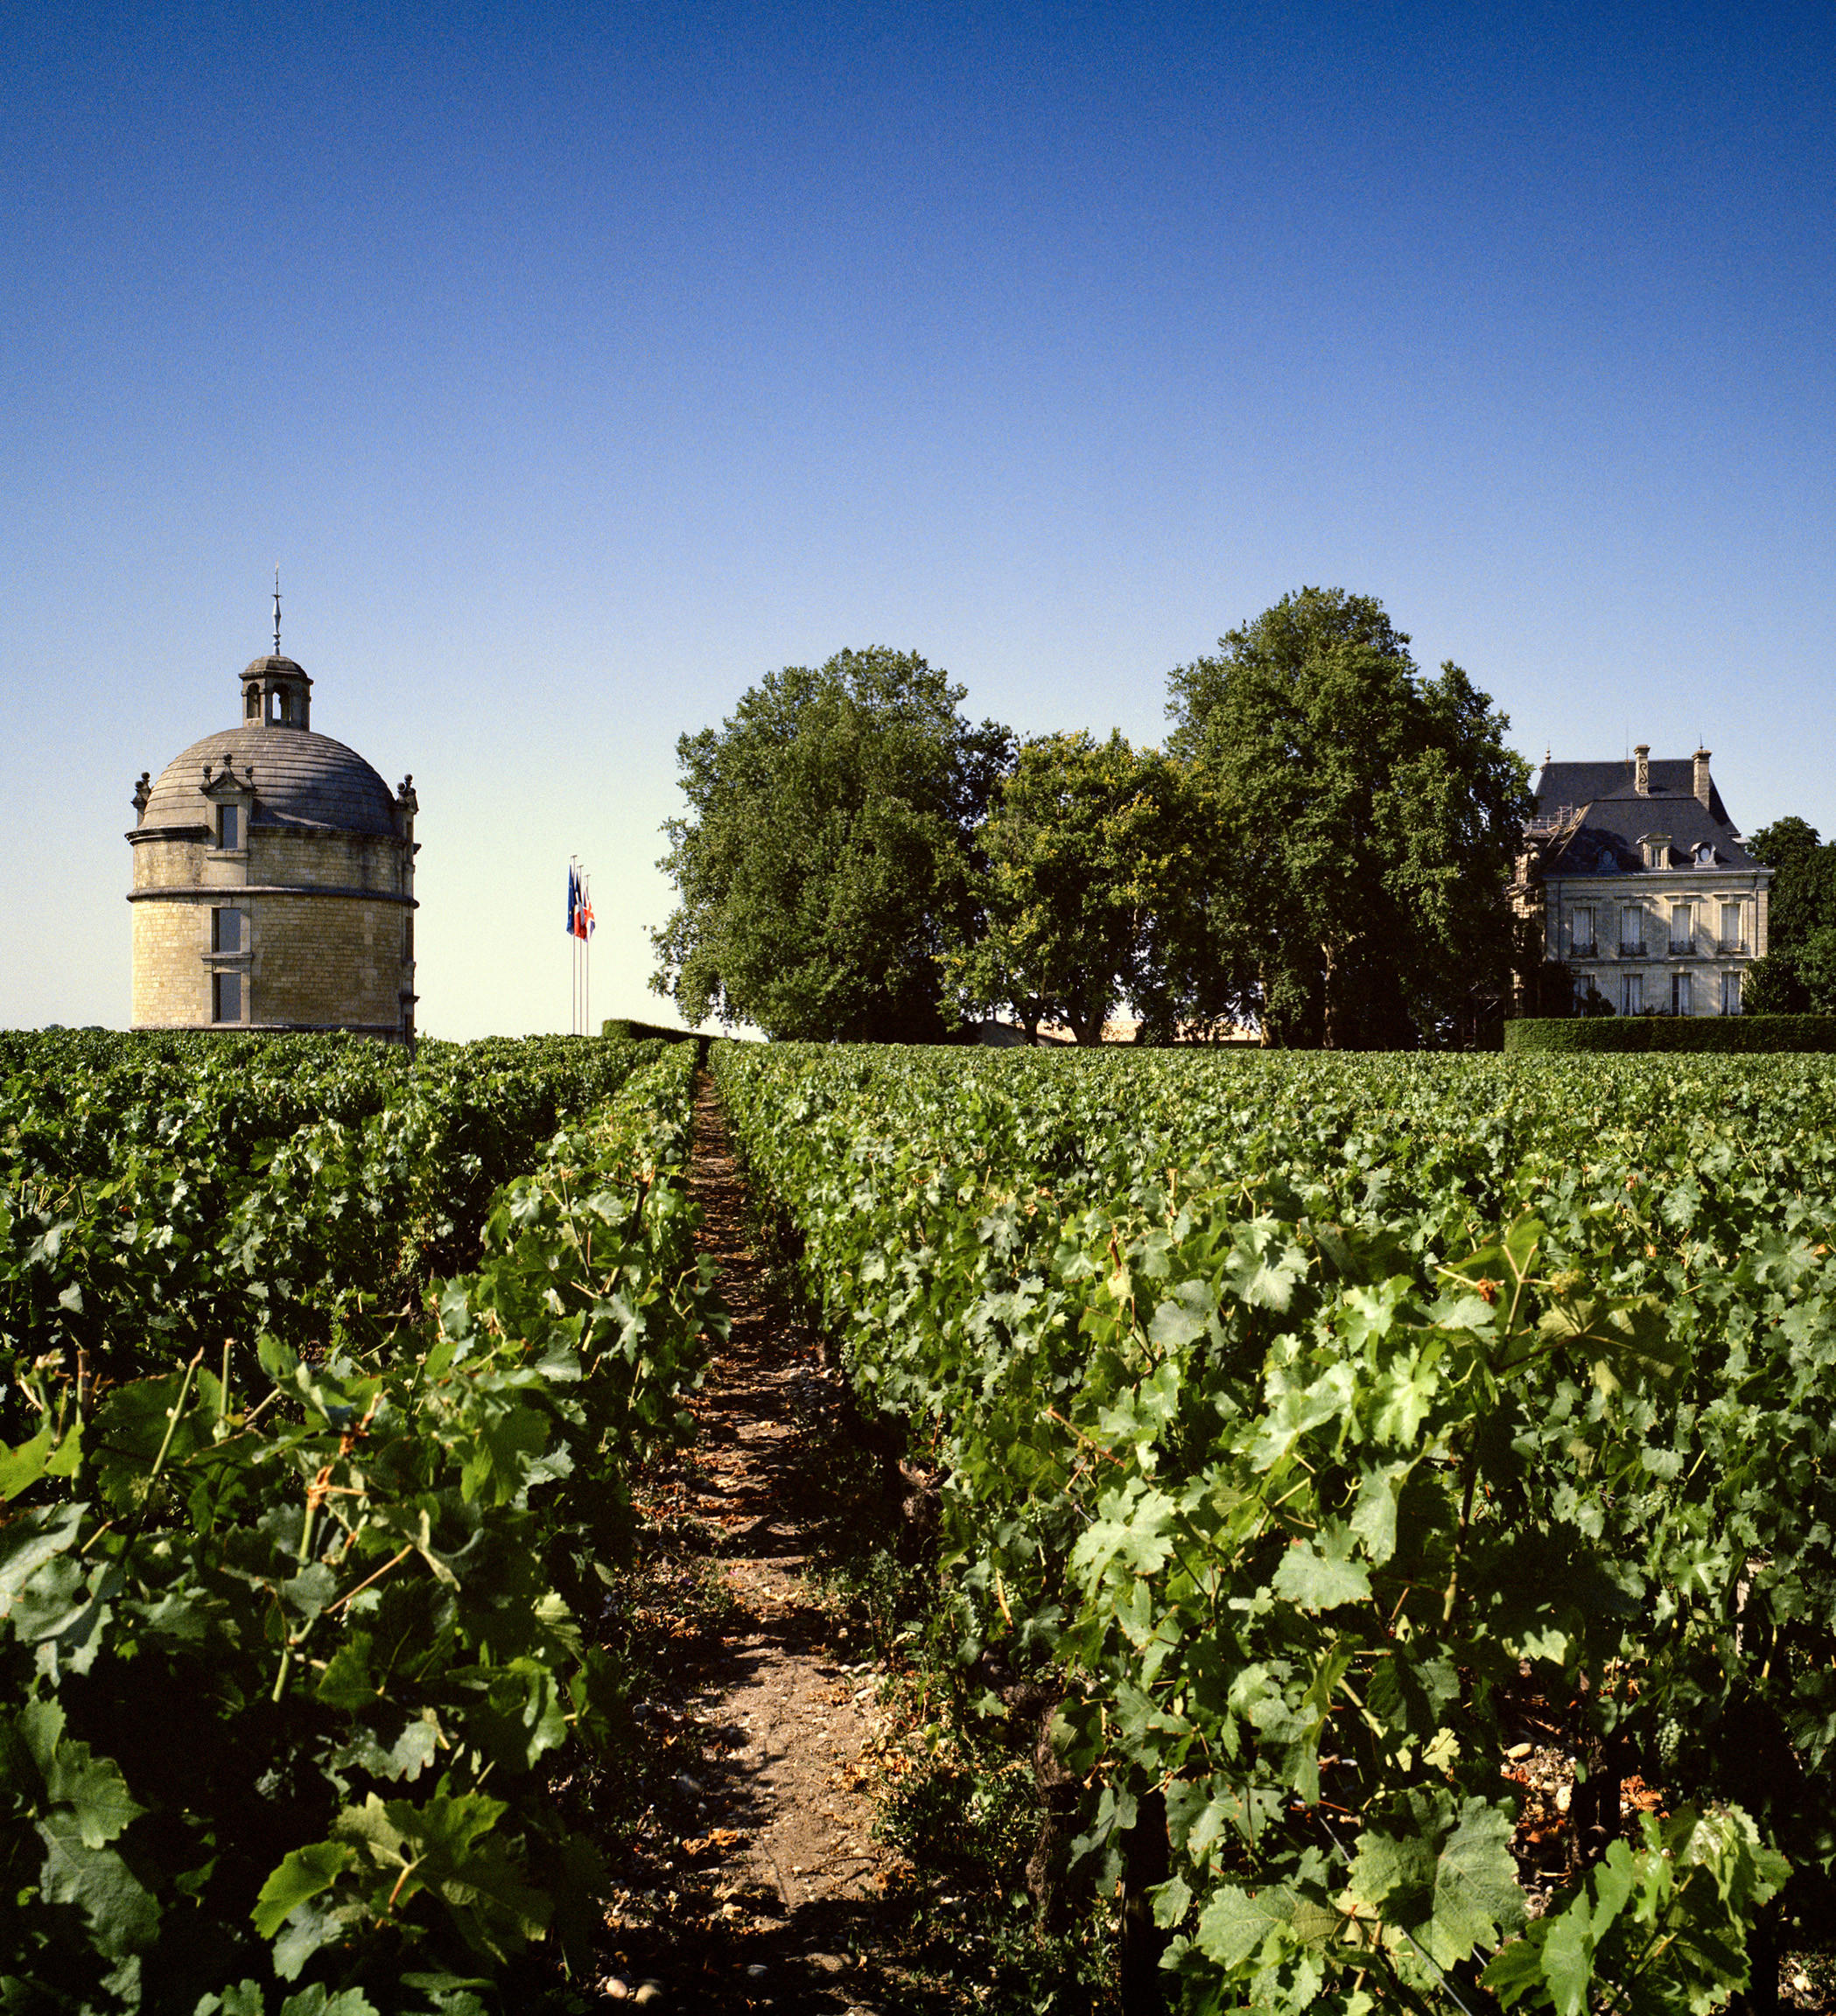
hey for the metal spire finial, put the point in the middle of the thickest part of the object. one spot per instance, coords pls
(276, 608)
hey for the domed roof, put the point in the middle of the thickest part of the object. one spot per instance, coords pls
(272, 666)
(301, 780)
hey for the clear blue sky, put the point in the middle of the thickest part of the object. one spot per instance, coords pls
(579, 365)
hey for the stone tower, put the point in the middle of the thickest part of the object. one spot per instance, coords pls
(274, 878)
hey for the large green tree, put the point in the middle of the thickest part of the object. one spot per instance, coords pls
(1079, 838)
(1362, 818)
(1797, 975)
(827, 857)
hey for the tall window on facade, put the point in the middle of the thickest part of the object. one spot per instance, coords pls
(226, 996)
(1731, 928)
(1683, 929)
(1679, 994)
(1631, 994)
(1631, 932)
(1730, 993)
(1581, 932)
(226, 930)
(230, 826)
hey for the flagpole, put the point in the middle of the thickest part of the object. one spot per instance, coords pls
(586, 954)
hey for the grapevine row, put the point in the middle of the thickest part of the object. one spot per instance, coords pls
(298, 1649)
(1317, 1421)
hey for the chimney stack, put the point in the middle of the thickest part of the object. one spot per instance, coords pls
(1702, 778)
(1642, 770)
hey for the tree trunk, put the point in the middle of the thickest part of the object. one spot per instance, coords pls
(1147, 1862)
(1034, 1703)
(1759, 1997)
(1593, 1810)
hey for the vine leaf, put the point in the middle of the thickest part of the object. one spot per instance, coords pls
(1625, 1338)
(303, 1875)
(1442, 1873)
(1320, 1578)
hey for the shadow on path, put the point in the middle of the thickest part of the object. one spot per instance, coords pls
(756, 1882)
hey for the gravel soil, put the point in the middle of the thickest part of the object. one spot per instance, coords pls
(754, 1881)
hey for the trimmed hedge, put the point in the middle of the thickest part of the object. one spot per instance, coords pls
(622, 1029)
(1730, 1035)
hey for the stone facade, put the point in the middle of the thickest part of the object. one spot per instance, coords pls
(1639, 884)
(274, 879)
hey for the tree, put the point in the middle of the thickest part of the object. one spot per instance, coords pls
(1365, 821)
(827, 858)
(1076, 843)
(1797, 975)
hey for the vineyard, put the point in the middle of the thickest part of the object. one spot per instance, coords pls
(1306, 1451)
(1326, 1435)
(324, 1375)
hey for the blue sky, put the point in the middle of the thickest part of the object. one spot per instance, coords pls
(580, 365)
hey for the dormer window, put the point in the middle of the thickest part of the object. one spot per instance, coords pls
(230, 826)
(1705, 856)
(1656, 848)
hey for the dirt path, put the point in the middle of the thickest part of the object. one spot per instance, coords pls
(756, 1882)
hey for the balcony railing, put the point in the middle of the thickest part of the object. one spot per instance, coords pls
(1682, 948)
(1730, 947)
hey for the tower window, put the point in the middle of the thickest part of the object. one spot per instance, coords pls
(252, 704)
(230, 826)
(226, 996)
(226, 930)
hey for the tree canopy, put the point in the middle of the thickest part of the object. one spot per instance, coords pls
(827, 857)
(1797, 975)
(1362, 819)
(1080, 838)
(1322, 849)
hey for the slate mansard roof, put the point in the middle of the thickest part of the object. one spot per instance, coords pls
(1591, 817)
(302, 780)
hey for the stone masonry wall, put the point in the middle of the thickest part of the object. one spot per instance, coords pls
(316, 961)
(346, 860)
(326, 960)
(172, 981)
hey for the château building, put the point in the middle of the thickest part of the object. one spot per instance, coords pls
(1641, 885)
(273, 876)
